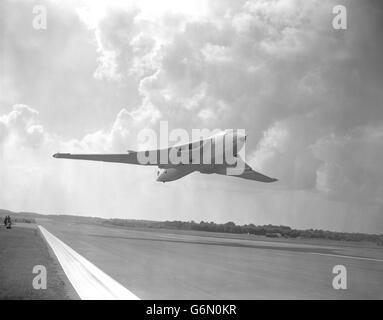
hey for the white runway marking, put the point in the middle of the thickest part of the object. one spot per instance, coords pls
(347, 257)
(89, 281)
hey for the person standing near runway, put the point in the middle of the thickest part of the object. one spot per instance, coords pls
(7, 221)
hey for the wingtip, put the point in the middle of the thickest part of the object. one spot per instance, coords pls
(60, 155)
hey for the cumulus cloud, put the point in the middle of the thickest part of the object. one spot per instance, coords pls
(21, 126)
(350, 168)
(284, 150)
(27, 166)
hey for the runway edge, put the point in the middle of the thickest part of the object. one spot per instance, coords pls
(89, 282)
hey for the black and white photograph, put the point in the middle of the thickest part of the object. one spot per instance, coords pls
(184, 150)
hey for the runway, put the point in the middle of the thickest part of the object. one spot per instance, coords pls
(159, 264)
(89, 281)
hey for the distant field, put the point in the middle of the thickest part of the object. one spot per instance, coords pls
(22, 248)
(362, 244)
(271, 233)
(31, 217)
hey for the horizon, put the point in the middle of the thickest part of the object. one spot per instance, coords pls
(187, 221)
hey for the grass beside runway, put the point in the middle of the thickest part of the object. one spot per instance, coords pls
(22, 248)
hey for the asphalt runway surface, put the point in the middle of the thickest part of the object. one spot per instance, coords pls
(166, 265)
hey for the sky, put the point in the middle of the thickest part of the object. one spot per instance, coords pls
(309, 97)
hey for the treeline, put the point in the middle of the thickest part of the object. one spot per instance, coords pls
(265, 230)
(229, 227)
(24, 220)
(20, 220)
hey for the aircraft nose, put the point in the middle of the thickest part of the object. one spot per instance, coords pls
(159, 178)
(242, 137)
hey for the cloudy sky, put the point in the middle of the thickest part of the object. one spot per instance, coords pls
(309, 96)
